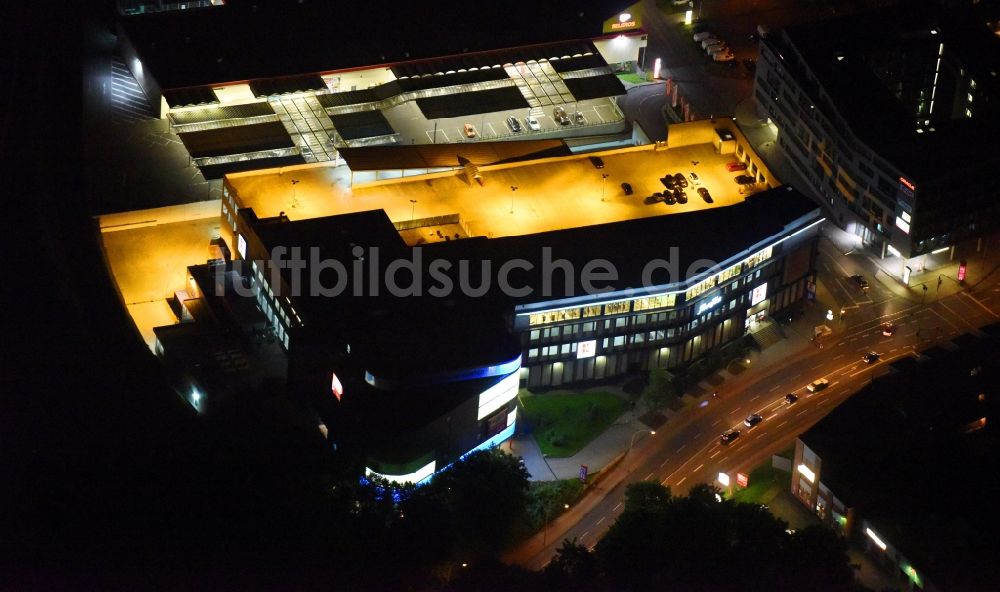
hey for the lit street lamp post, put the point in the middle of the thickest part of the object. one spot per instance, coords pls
(632, 443)
(513, 189)
(413, 208)
(548, 518)
(604, 178)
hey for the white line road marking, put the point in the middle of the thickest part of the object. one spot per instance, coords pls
(840, 356)
(584, 535)
(697, 435)
(646, 478)
(615, 509)
(716, 453)
(777, 387)
(492, 131)
(801, 413)
(682, 447)
(772, 416)
(698, 468)
(681, 481)
(782, 423)
(601, 520)
(983, 306)
(755, 398)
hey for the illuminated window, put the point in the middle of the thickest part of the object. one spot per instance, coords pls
(903, 225)
(335, 387)
(661, 301)
(617, 307)
(592, 311)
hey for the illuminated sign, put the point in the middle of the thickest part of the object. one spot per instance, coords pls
(709, 304)
(624, 25)
(724, 479)
(902, 225)
(241, 246)
(906, 183)
(742, 479)
(906, 274)
(874, 537)
(961, 270)
(893, 251)
(336, 388)
(807, 473)
(498, 395)
(758, 295)
(656, 67)
(586, 349)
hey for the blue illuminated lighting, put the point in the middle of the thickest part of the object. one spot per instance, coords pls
(502, 369)
(504, 435)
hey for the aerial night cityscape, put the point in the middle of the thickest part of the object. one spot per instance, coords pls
(655, 295)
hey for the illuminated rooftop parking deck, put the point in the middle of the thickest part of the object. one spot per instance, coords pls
(521, 198)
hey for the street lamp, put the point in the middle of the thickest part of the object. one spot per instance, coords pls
(413, 208)
(604, 178)
(513, 188)
(632, 443)
(548, 518)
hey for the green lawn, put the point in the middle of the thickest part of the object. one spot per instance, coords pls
(765, 481)
(632, 77)
(564, 422)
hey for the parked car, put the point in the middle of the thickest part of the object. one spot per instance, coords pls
(669, 199)
(818, 385)
(681, 196)
(579, 119)
(888, 329)
(753, 420)
(470, 130)
(668, 182)
(725, 56)
(705, 195)
(680, 181)
(514, 124)
(559, 114)
(627, 188)
(745, 179)
(859, 281)
(729, 436)
(710, 41)
(791, 398)
(532, 122)
(597, 161)
(694, 179)
(871, 357)
(732, 167)
(699, 37)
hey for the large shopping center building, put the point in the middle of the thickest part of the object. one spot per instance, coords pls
(542, 273)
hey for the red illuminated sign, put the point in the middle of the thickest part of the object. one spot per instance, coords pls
(907, 183)
(742, 479)
(961, 271)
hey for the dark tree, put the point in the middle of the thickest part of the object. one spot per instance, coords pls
(573, 568)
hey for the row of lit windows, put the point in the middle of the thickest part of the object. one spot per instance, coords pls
(722, 277)
(611, 308)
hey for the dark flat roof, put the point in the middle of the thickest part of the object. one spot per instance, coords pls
(898, 451)
(842, 53)
(249, 39)
(237, 140)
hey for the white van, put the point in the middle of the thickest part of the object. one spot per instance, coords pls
(709, 41)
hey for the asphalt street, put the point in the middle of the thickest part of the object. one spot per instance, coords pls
(687, 450)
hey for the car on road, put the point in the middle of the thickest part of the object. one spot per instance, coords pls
(579, 118)
(753, 420)
(514, 124)
(669, 199)
(729, 436)
(680, 181)
(871, 357)
(470, 130)
(791, 398)
(559, 114)
(532, 122)
(705, 195)
(732, 167)
(627, 188)
(818, 385)
(694, 179)
(888, 329)
(597, 161)
(859, 281)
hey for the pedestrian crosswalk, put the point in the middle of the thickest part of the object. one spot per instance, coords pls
(128, 101)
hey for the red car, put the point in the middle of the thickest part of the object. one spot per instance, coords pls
(736, 166)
